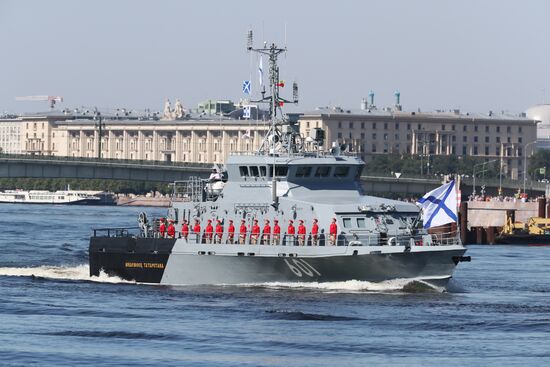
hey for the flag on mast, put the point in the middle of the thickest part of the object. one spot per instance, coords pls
(261, 71)
(439, 206)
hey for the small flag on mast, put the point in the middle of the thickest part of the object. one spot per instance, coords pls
(439, 206)
(246, 87)
(261, 71)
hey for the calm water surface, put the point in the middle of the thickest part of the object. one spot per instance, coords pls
(496, 313)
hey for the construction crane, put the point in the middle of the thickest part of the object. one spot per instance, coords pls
(51, 99)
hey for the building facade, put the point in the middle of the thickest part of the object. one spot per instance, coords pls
(194, 140)
(371, 132)
(10, 135)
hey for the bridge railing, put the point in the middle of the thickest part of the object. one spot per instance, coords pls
(102, 160)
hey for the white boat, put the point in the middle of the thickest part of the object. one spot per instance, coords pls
(47, 197)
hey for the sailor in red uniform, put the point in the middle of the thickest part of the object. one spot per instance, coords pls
(291, 231)
(333, 231)
(219, 231)
(171, 230)
(197, 230)
(208, 231)
(242, 232)
(231, 232)
(276, 232)
(266, 232)
(301, 233)
(185, 230)
(314, 233)
(255, 233)
(162, 228)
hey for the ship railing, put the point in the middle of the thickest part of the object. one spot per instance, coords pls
(304, 154)
(323, 239)
(114, 232)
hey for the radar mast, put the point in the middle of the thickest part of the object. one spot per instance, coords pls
(275, 140)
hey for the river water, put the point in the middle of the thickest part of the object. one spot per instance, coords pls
(496, 312)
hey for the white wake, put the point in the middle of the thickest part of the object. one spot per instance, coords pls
(354, 286)
(79, 272)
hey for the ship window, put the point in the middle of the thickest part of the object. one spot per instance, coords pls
(347, 222)
(243, 170)
(281, 171)
(361, 223)
(303, 171)
(322, 171)
(341, 171)
(263, 171)
(254, 172)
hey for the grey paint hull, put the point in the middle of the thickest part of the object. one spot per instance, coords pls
(434, 266)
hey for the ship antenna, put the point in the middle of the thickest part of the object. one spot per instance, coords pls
(275, 101)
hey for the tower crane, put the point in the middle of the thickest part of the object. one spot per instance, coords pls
(51, 99)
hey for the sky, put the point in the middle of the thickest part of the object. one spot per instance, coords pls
(440, 54)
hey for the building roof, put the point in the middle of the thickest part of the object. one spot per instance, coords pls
(394, 112)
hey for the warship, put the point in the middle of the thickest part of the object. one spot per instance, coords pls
(291, 179)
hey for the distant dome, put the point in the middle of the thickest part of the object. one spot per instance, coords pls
(539, 112)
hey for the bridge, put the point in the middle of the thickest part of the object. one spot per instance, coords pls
(35, 166)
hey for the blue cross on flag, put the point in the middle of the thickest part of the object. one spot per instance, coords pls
(439, 206)
(246, 86)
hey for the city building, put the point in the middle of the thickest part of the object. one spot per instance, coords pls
(370, 131)
(10, 134)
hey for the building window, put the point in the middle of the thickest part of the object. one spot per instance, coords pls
(475, 128)
(475, 149)
(498, 139)
(396, 136)
(464, 139)
(497, 151)
(508, 129)
(374, 125)
(385, 126)
(362, 135)
(486, 150)
(351, 125)
(339, 124)
(307, 124)
(397, 126)
(339, 135)
(520, 139)
(453, 127)
(475, 139)
(498, 129)
(464, 128)
(486, 129)
(509, 140)
(443, 127)
(453, 138)
(374, 148)
(486, 139)
(419, 126)
(373, 136)
(408, 126)
(519, 129)
(385, 136)
(362, 125)
(464, 150)
(520, 152)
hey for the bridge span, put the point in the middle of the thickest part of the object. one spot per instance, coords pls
(29, 166)
(26, 166)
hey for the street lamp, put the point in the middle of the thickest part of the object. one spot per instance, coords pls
(525, 164)
(482, 164)
(502, 145)
(100, 125)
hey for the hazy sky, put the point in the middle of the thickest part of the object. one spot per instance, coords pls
(468, 54)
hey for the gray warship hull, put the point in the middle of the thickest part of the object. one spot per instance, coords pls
(176, 262)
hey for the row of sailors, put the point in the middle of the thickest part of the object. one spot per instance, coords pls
(266, 236)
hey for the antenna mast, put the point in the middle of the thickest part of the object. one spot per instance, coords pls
(275, 100)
